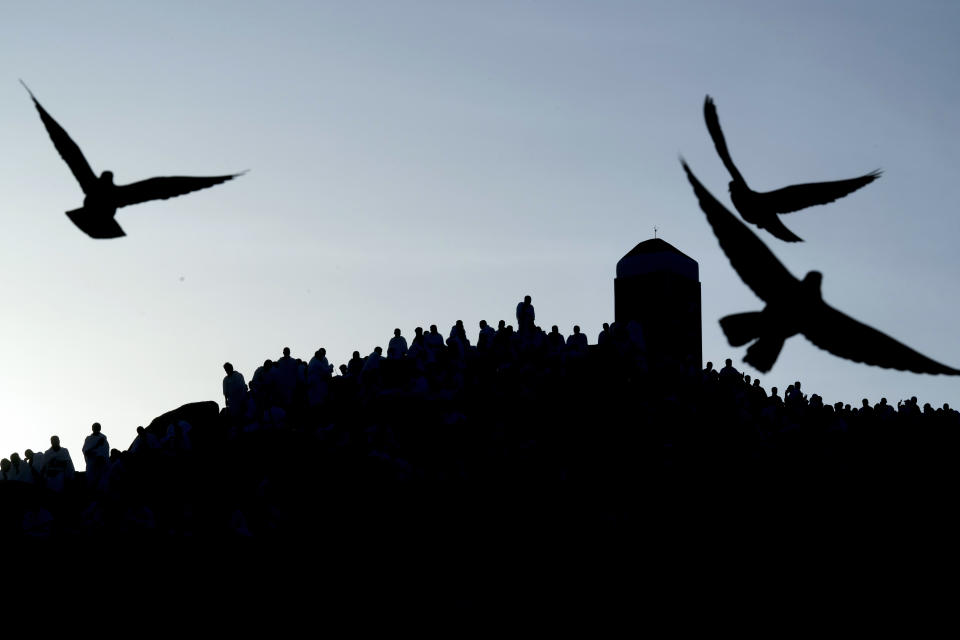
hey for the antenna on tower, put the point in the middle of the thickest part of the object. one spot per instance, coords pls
(654, 231)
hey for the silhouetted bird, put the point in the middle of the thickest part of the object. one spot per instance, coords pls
(761, 209)
(103, 198)
(794, 306)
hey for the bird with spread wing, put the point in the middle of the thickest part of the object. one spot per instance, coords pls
(103, 197)
(794, 306)
(763, 208)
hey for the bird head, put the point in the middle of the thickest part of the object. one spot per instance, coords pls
(812, 281)
(106, 177)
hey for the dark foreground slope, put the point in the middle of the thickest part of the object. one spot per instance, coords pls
(600, 442)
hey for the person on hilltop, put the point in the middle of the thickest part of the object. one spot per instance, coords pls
(525, 315)
(397, 347)
(234, 389)
(577, 342)
(57, 466)
(286, 378)
(485, 339)
(96, 451)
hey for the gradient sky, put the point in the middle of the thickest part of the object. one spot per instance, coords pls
(422, 162)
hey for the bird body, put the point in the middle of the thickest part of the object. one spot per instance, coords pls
(763, 208)
(795, 306)
(102, 196)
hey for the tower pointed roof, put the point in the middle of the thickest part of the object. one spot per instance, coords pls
(655, 255)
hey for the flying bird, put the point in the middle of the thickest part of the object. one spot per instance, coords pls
(103, 197)
(762, 208)
(795, 306)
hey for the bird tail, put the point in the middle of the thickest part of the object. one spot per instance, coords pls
(763, 353)
(741, 328)
(95, 226)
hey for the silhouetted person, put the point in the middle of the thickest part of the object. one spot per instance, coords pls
(555, 339)
(103, 198)
(262, 384)
(729, 372)
(577, 342)
(604, 339)
(96, 451)
(318, 374)
(761, 209)
(5, 470)
(371, 366)
(35, 460)
(234, 390)
(774, 398)
(433, 340)
(20, 469)
(397, 347)
(355, 366)
(793, 394)
(460, 333)
(145, 444)
(417, 337)
(525, 315)
(319, 366)
(285, 372)
(57, 466)
(795, 306)
(485, 339)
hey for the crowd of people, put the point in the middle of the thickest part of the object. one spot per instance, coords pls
(520, 427)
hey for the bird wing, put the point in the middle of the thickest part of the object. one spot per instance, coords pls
(751, 259)
(164, 187)
(713, 126)
(843, 336)
(801, 196)
(66, 147)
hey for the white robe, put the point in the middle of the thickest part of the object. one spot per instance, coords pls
(96, 452)
(234, 390)
(95, 446)
(57, 468)
(397, 347)
(285, 374)
(25, 474)
(318, 374)
(372, 363)
(319, 368)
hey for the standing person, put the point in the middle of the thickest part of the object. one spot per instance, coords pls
(485, 339)
(577, 342)
(262, 384)
(397, 347)
(95, 454)
(57, 466)
(35, 460)
(355, 366)
(234, 390)
(21, 469)
(604, 337)
(285, 372)
(525, 315)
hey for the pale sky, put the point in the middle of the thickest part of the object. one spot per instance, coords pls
(422, 162)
